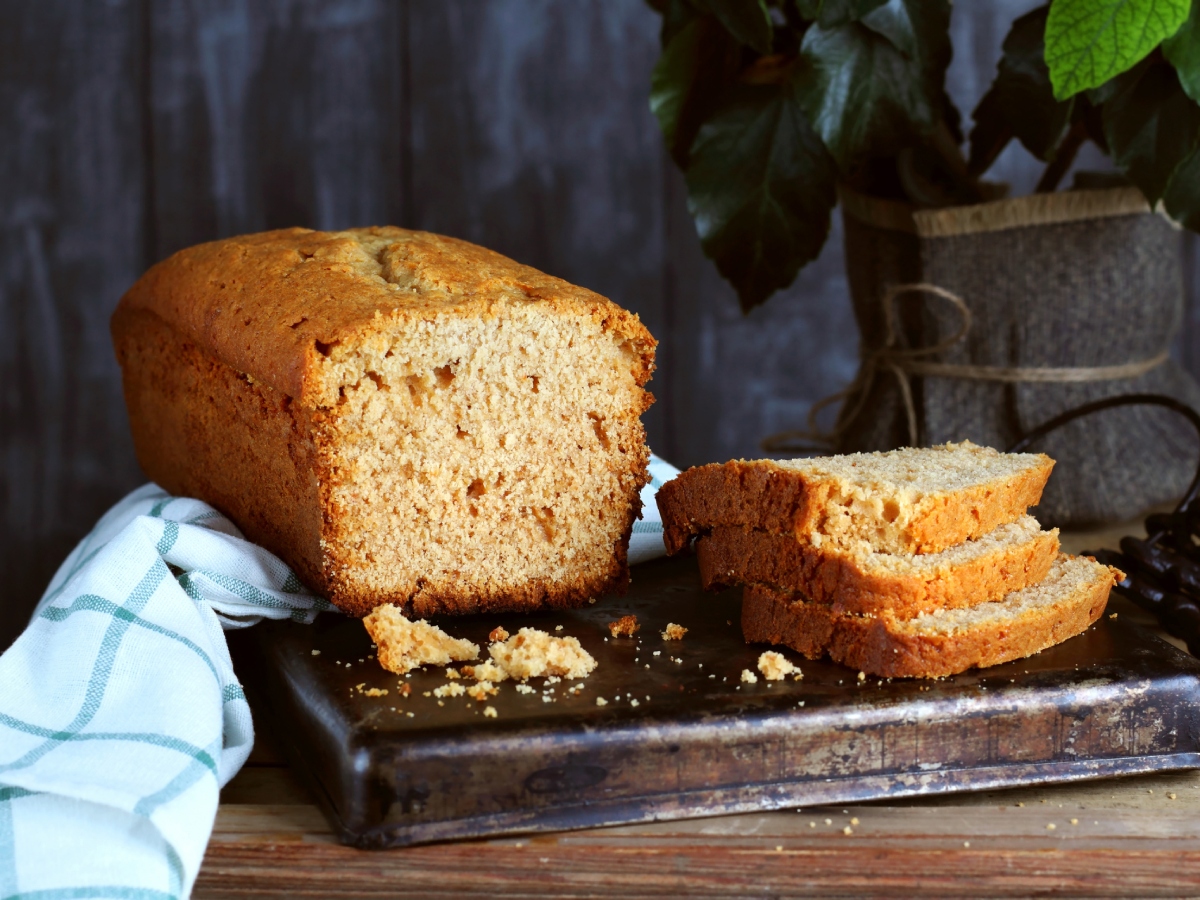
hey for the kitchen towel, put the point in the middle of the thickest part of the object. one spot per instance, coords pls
(120, 714)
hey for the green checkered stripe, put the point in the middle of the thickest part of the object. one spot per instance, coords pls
(122, 717)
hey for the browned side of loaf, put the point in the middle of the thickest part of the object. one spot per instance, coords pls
(868, 645)
(202, 430)
(761, 495)
(732, 555)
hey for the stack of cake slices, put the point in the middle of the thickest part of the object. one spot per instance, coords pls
(911, 563)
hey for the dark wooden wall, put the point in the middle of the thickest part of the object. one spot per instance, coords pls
(131, 129)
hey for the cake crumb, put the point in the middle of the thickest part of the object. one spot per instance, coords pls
(498, 634)
(1171, 795)
(404, 645)
(481, 690)
(525, 689)
(847, 830)
(674, 632)
(375, 692)
(452, 675)
(1051, 827)
(626, 626)
(1074, 821)
(749, 677)
(531, 653)
(450, 690)
(1113, 616)
(404, 690)
(490, 712)
(487, 671)
(316, 653)
(600, 701)
(775, 666)
(854, 821)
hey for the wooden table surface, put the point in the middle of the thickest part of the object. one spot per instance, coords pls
(1136, 836)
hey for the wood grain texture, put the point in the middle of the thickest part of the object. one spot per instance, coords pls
(1110, 838)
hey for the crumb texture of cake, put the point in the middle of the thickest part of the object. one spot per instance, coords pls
(626, 626)
(914, 500)
(532, 653)
(403, 645)
(673, 632)
(856, 579)
(402, 417)
(1070, 598)
(775, 666)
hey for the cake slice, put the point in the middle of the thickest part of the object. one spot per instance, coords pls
(902, 501)
(402, 417)
(856, 579)
(1069, 599)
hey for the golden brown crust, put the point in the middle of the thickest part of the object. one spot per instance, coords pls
(869, 645)
(271, 305)
(734, 555)
(760, 494)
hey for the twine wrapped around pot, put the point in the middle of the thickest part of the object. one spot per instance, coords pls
(983, 322)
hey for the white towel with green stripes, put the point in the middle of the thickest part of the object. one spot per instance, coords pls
(120, 714)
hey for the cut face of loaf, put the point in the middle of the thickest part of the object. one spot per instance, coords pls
(859, 580)
(401, 417)
(903, 501)
(1069, 599)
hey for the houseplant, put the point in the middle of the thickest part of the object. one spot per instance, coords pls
(775, 110)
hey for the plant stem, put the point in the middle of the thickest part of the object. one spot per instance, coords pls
(1063, 158)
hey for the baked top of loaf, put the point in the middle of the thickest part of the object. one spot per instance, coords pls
(1069, 599)
(284, 306)
(859, 580)
(913, 500)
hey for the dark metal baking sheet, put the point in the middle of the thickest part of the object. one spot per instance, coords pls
(698, 742)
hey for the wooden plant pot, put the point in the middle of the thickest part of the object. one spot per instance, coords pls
(1082, 289)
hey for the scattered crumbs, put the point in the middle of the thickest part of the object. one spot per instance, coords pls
(524, 689)
(801, 703)
(1150, 791)
(854, 821)
(847, 830)
(648, 666)
(375, 692)
(558, 628)
(966, 843)
(452, 674)
(674, 632)
(358, 687)
(829, 821)
(1020, 804)
(316, 653)
(626, 626)
(362, 660)
(410, 715)
(600, 701)
(1051, 827)
(404, 690)
(1113, 616)
(700, 665)
(403, 645)
(749, 677)
(1171, 795)
(498, 634)
(679, 660)
(552, 679)
(546, 698)
(862, 676)
(775, 666)
(710, 676)
(728, 621)
(779, 848)
(1074, 821)
(812, 824)
(590, 600)
(531, 653)
(450, 690)
(634, 702)
(347, 665)
(481, 690)
(656, 653)
(441, 703)
(490, 712)
(427, 694)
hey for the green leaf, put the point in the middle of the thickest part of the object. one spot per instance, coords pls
(1020, 102)
(1182, 50)
(831, 13)
(863, 93)
(761, 189)
(1090, 41)
(1151, 126)
(747, 20)
(693, 70)
(1182, 198)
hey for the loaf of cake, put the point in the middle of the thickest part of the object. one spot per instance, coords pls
(1063, 604)
(902, 501)
(857, 579)
(403, 418)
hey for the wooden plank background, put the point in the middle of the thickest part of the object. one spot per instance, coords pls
(131, 128)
